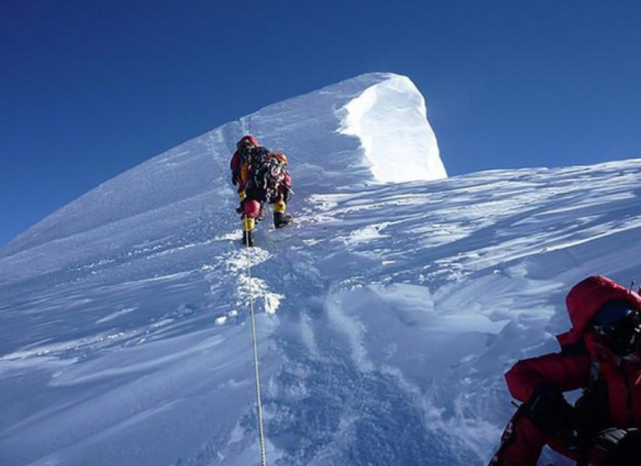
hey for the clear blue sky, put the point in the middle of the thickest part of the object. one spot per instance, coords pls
(89, 89)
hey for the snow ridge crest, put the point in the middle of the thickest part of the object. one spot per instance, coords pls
(390, 119)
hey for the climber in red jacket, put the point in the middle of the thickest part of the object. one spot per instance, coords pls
(240, 162)
(266, 180)
(601, 355)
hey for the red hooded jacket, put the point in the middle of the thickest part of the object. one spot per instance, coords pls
(583, 352)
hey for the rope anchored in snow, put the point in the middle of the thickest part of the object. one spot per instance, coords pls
(261, 432)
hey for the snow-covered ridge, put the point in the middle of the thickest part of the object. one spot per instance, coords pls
(390, 119)
(386, 315)
(308, 128)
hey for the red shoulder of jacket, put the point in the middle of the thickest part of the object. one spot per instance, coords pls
(567, 372)
(235, 161)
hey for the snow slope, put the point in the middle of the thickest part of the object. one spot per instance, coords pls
(389, 311)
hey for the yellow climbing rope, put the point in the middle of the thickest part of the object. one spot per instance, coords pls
(261, 432)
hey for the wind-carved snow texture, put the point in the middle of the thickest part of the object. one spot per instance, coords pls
(386, 315)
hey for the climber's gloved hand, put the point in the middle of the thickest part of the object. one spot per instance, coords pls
(618, 446)
(550, 412)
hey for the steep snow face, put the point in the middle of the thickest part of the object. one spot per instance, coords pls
(173, 191)
(390, 119)
(386, 315)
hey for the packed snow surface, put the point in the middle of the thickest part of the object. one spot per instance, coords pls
(387, 314)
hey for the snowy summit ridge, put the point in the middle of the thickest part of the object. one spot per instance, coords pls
(386, 315)
(387, 138)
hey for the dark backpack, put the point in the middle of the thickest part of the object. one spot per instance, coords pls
(259, 169)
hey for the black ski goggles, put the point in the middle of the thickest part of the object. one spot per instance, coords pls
(623, 333)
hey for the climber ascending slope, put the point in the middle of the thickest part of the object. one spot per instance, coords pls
(262, 176)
